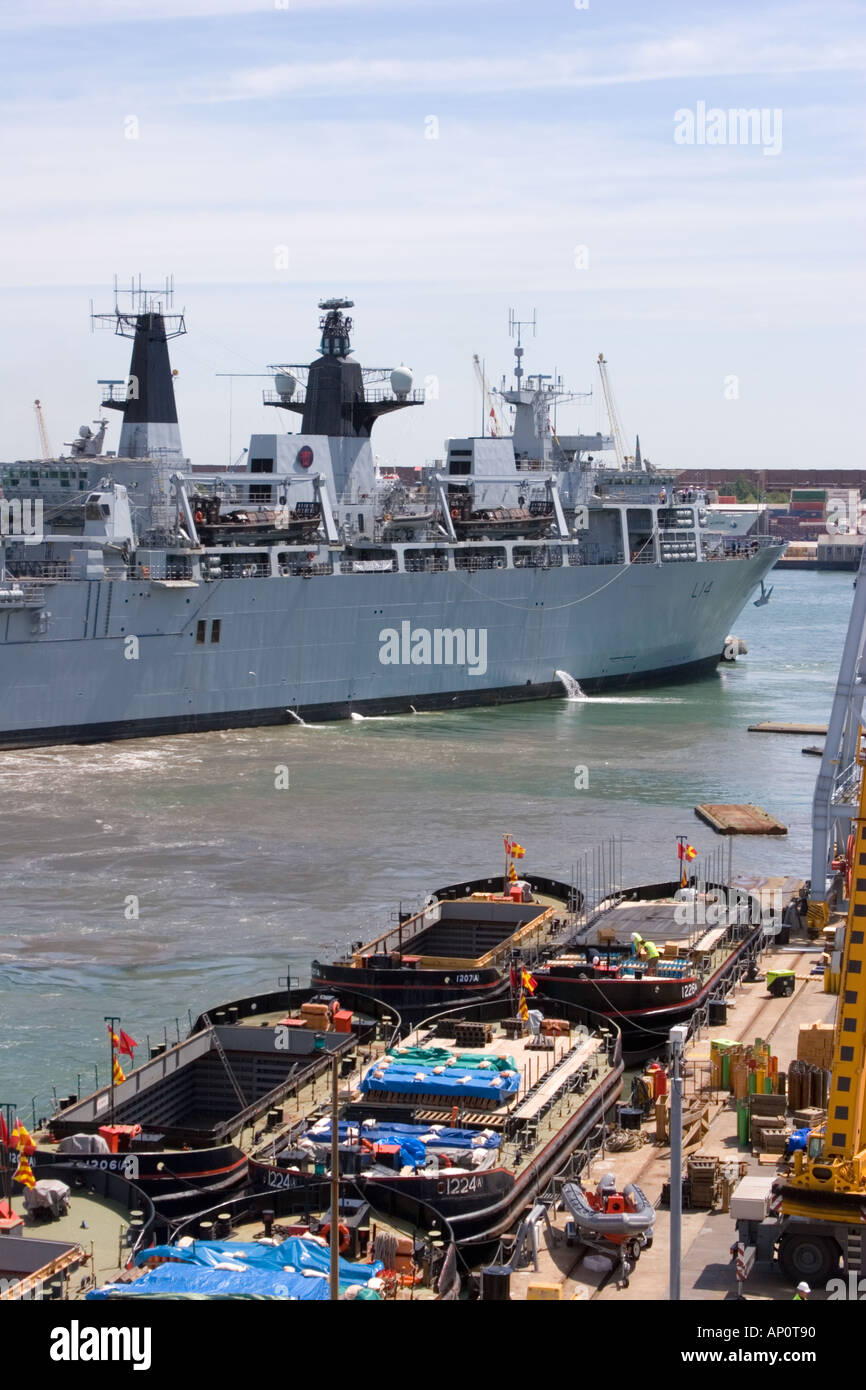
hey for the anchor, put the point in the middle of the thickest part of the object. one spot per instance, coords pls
(765, 596)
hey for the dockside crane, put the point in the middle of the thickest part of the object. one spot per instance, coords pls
(43, 432)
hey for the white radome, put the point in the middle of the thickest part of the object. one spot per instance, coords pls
(401, 381)
(285, 384)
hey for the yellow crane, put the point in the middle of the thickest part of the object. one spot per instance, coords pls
(824, 1199)
(43, 433)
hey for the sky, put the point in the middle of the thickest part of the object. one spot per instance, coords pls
(441, 164)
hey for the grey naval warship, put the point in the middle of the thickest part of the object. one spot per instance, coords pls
(139, 596)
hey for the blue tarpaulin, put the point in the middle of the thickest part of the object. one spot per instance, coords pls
(293, 1255)
(412, 1139)
(195, 1281)
(452, 1083)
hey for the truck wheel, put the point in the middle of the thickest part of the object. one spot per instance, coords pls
(813, 1258)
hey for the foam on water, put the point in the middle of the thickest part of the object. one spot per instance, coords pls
(572, 687)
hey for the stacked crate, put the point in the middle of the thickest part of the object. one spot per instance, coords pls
(703, 1181)
(815, 1044)
(473, 1034)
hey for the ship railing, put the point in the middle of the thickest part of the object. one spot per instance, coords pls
(426, 564)
(305, 571)
(593, 553)
(474, 563)
(14, 594)
(731, 548)
(298, 397)
(45, 569)
(239, 569)
(159, 570)
(545, 558)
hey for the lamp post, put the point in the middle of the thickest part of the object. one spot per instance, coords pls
(335, 1179)
(677, 1041)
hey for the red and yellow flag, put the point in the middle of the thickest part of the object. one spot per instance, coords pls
(122, 1042)
(529, 982)
(686, 851)
(24, 1173)
(523, 1008)
(21, 1140)
(117, 1073)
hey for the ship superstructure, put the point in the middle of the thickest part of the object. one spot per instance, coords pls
(141, 597)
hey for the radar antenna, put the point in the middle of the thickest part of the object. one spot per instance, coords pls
(515, 325)
(142, 301)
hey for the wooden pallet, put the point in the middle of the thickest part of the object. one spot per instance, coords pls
(422, 1097)
(467, 1118)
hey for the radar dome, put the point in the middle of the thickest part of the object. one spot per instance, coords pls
(401, 381)
(285, 384)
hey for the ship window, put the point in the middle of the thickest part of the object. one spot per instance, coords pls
(459, 465)
(92, 512)
(215, 628)
(200, 630)
(261, 465)
(360, 521)
(261, 493)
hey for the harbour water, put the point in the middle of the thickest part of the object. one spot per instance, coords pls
(151, 878)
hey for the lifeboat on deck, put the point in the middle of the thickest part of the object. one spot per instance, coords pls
(609, 1214)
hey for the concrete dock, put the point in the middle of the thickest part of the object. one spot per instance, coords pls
(708, 1271)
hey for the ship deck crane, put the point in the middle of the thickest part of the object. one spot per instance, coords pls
(43, 432)
(623, 460)
(491, 418)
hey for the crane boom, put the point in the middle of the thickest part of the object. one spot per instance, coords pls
(43, 433)
(613, 418)
(491, 415)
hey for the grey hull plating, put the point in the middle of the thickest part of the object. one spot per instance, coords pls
(314, 646)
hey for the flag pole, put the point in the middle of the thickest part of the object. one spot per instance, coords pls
(111, 1020)
(6, 1109)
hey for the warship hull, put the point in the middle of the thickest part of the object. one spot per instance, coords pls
(315, 648)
